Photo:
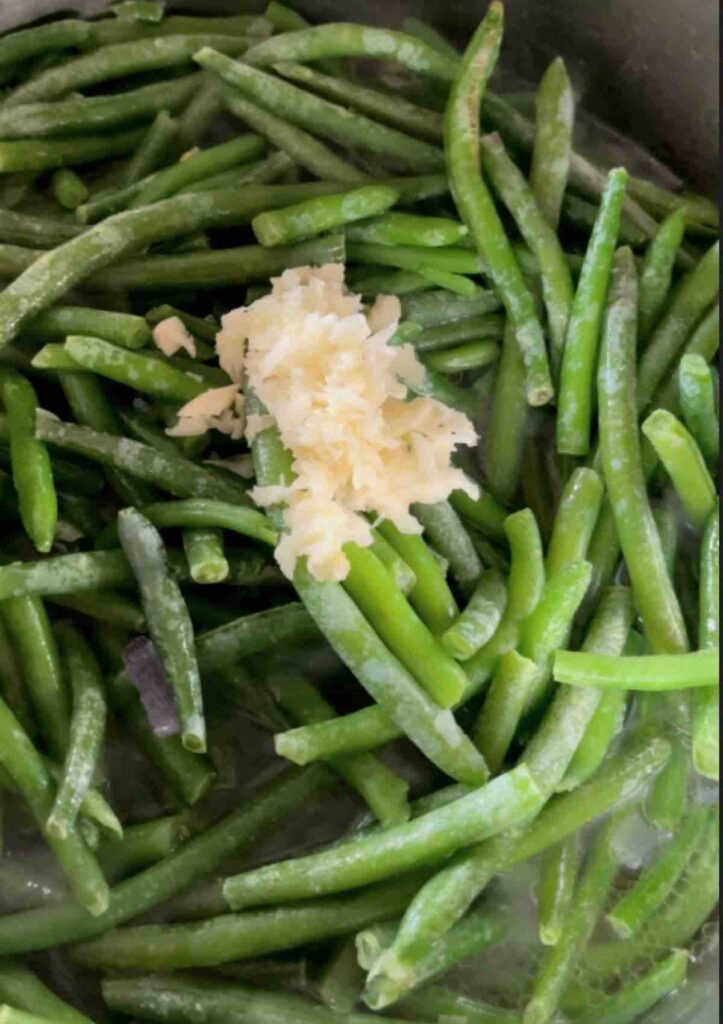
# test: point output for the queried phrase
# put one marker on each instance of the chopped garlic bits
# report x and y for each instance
(171, 335)
(326, 373)
(219, 408)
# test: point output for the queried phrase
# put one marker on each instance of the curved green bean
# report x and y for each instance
(657, 274)
(31, 465)
(555, 114)
(476, 206)
(21, 987)
(557, 288)
(585, 326)
(506, 700)
(449, 538)
(502, 802)
(314, 216)
(87, 728)
(622, 466)
(346, 40)
(683, 459)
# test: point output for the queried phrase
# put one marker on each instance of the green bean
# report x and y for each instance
(502, 802)
(142, 846)
(301, 147)
(206, 559)
(656, 883)
(199, 857)
(480, 619)
(409, 229)
(22, 988)
(199, 165)
(435, 308)
(585, 326)
(631, 1002)
(676, 923)
(283, 18)
(391, 282)
(87, 729)
(556, 889)
(443, 336)
(549, 625)
(559, 961)
(387, 610)
(557, 288)
(471, 356)
(555, 110)
(342, 979)
(95, 113)
(173, 474)
(575, 519)
(657, 273)
(449, 538)
(259, 172)
(447, 896)
(314, 216)
(582, 213)
(116, 61)
(683, 459)
(430, 596)
(616, 612)
(477, 209)
(12, 684)
(359, 731)
(105, 606)
(26, 767)
(41, 39)
(451, 1006)
(706, 739)
(168, 620)
(623, 471)
(477, 931)
(504, 704)
(391, 110)
(651, 673)
(347, 40)
(32, 470)
(661, 202)
(33, 639)
(688, 302)
(385, 793)
(697, 392)
(35, 232)
(321, 117)
(68, 188)
(121, 328)
(44, 154)
(217, 267)
(403, 576)
(507, 427)
(200, 513)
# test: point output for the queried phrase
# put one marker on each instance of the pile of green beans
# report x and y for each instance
(511, 693)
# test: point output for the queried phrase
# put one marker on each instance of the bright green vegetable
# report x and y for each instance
(480, 619)
(558, 877)
(652, 672)
(697, 387)
(575, 519)
(585, 326)
(683, 459)
(657, 273)
(313, 217)
(475, 204)
(555, 110)
(206, 558)
(706, 728)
